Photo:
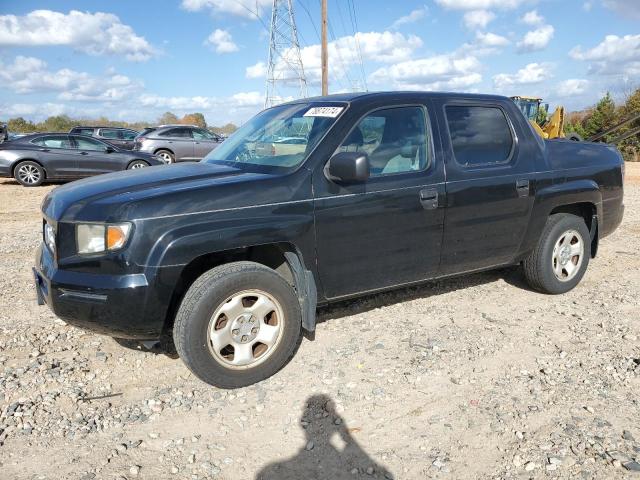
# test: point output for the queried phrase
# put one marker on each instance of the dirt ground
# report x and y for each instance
(471, 378)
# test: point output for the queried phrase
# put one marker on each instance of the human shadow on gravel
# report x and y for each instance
(330, 452)
(511, 275)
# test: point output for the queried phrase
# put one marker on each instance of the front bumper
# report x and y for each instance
(115, 305)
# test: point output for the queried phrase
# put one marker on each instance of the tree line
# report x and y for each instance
(606, 114)
(64, 123)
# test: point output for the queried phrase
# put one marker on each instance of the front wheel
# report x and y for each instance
(29, 174)
(136, 164)
(238, 324)
(560, 259)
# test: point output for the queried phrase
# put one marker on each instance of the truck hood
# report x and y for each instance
(152, 191)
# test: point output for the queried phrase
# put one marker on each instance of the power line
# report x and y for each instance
(354, 23)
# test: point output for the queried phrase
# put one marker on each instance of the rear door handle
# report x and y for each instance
(84, 153)
(429, 198)
(522, 187)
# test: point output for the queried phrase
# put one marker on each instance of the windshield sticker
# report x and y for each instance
(330, 112)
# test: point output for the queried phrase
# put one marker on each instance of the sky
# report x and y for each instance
(134, 60)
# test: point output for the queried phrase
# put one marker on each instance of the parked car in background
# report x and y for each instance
(177, 143)
(233, 254)
(120, 137)
(35, 158)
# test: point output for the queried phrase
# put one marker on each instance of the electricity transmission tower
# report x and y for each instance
(284, 70)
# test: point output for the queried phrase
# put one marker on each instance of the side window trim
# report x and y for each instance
(430, 159)
(514, 136)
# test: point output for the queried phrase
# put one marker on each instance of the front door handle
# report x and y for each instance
(522, 187)
(84, 153)
(429, 198)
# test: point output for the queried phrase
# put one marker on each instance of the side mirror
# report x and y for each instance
(348, 167)
(109, 150)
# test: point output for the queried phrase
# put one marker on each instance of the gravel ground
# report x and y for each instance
(476, 377)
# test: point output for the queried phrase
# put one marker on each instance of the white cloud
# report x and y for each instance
(92, 33)
(613, 56)
(532, 18)
(572, 87)
(454, 71)
(243, 8)
(531, 74)
(626, 8)
(478, 19)
(480, 4)
(221, 41)
(381, 47)
(537, 39)
(413, 16)
(183, 103)
(31, 75)
(259, 70)
(491, 40)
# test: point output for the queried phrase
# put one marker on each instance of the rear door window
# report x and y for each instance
(109, 133)
(82, 131)
(128, 134)
(479, 135)
(176, 133)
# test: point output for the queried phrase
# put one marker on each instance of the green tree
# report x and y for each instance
(630, 147)
(58, 123)
(167, 118)
(541, 117)
(602, 117)
(20, 125)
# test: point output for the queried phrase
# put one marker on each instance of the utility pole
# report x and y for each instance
(324, 53)
(284, 69)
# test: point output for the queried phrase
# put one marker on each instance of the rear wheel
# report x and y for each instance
(560, 259)
(29, 174)
(574, 137)
(165, 156)
(136, 164)
(238, 324)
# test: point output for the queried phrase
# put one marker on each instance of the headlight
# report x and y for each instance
(50, 237)
(98, 238)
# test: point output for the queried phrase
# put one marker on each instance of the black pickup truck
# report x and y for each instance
(315, 201)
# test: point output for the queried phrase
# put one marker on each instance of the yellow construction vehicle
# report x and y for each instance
(553, 126)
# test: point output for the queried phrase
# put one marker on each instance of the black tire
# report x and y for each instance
(539, 265)
(573, 136)
(137, 164)
(209, 292)
(165, 156)
(29, 174)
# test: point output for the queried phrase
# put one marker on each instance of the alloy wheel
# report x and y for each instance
(29, 174)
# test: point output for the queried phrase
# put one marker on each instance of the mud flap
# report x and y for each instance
(593, 233)
(306, 291)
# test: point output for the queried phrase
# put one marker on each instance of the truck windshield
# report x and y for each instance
(278, 138)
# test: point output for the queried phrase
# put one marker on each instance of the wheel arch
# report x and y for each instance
(160, 149)
(34, 160)
(283, 257)
(578, 197)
